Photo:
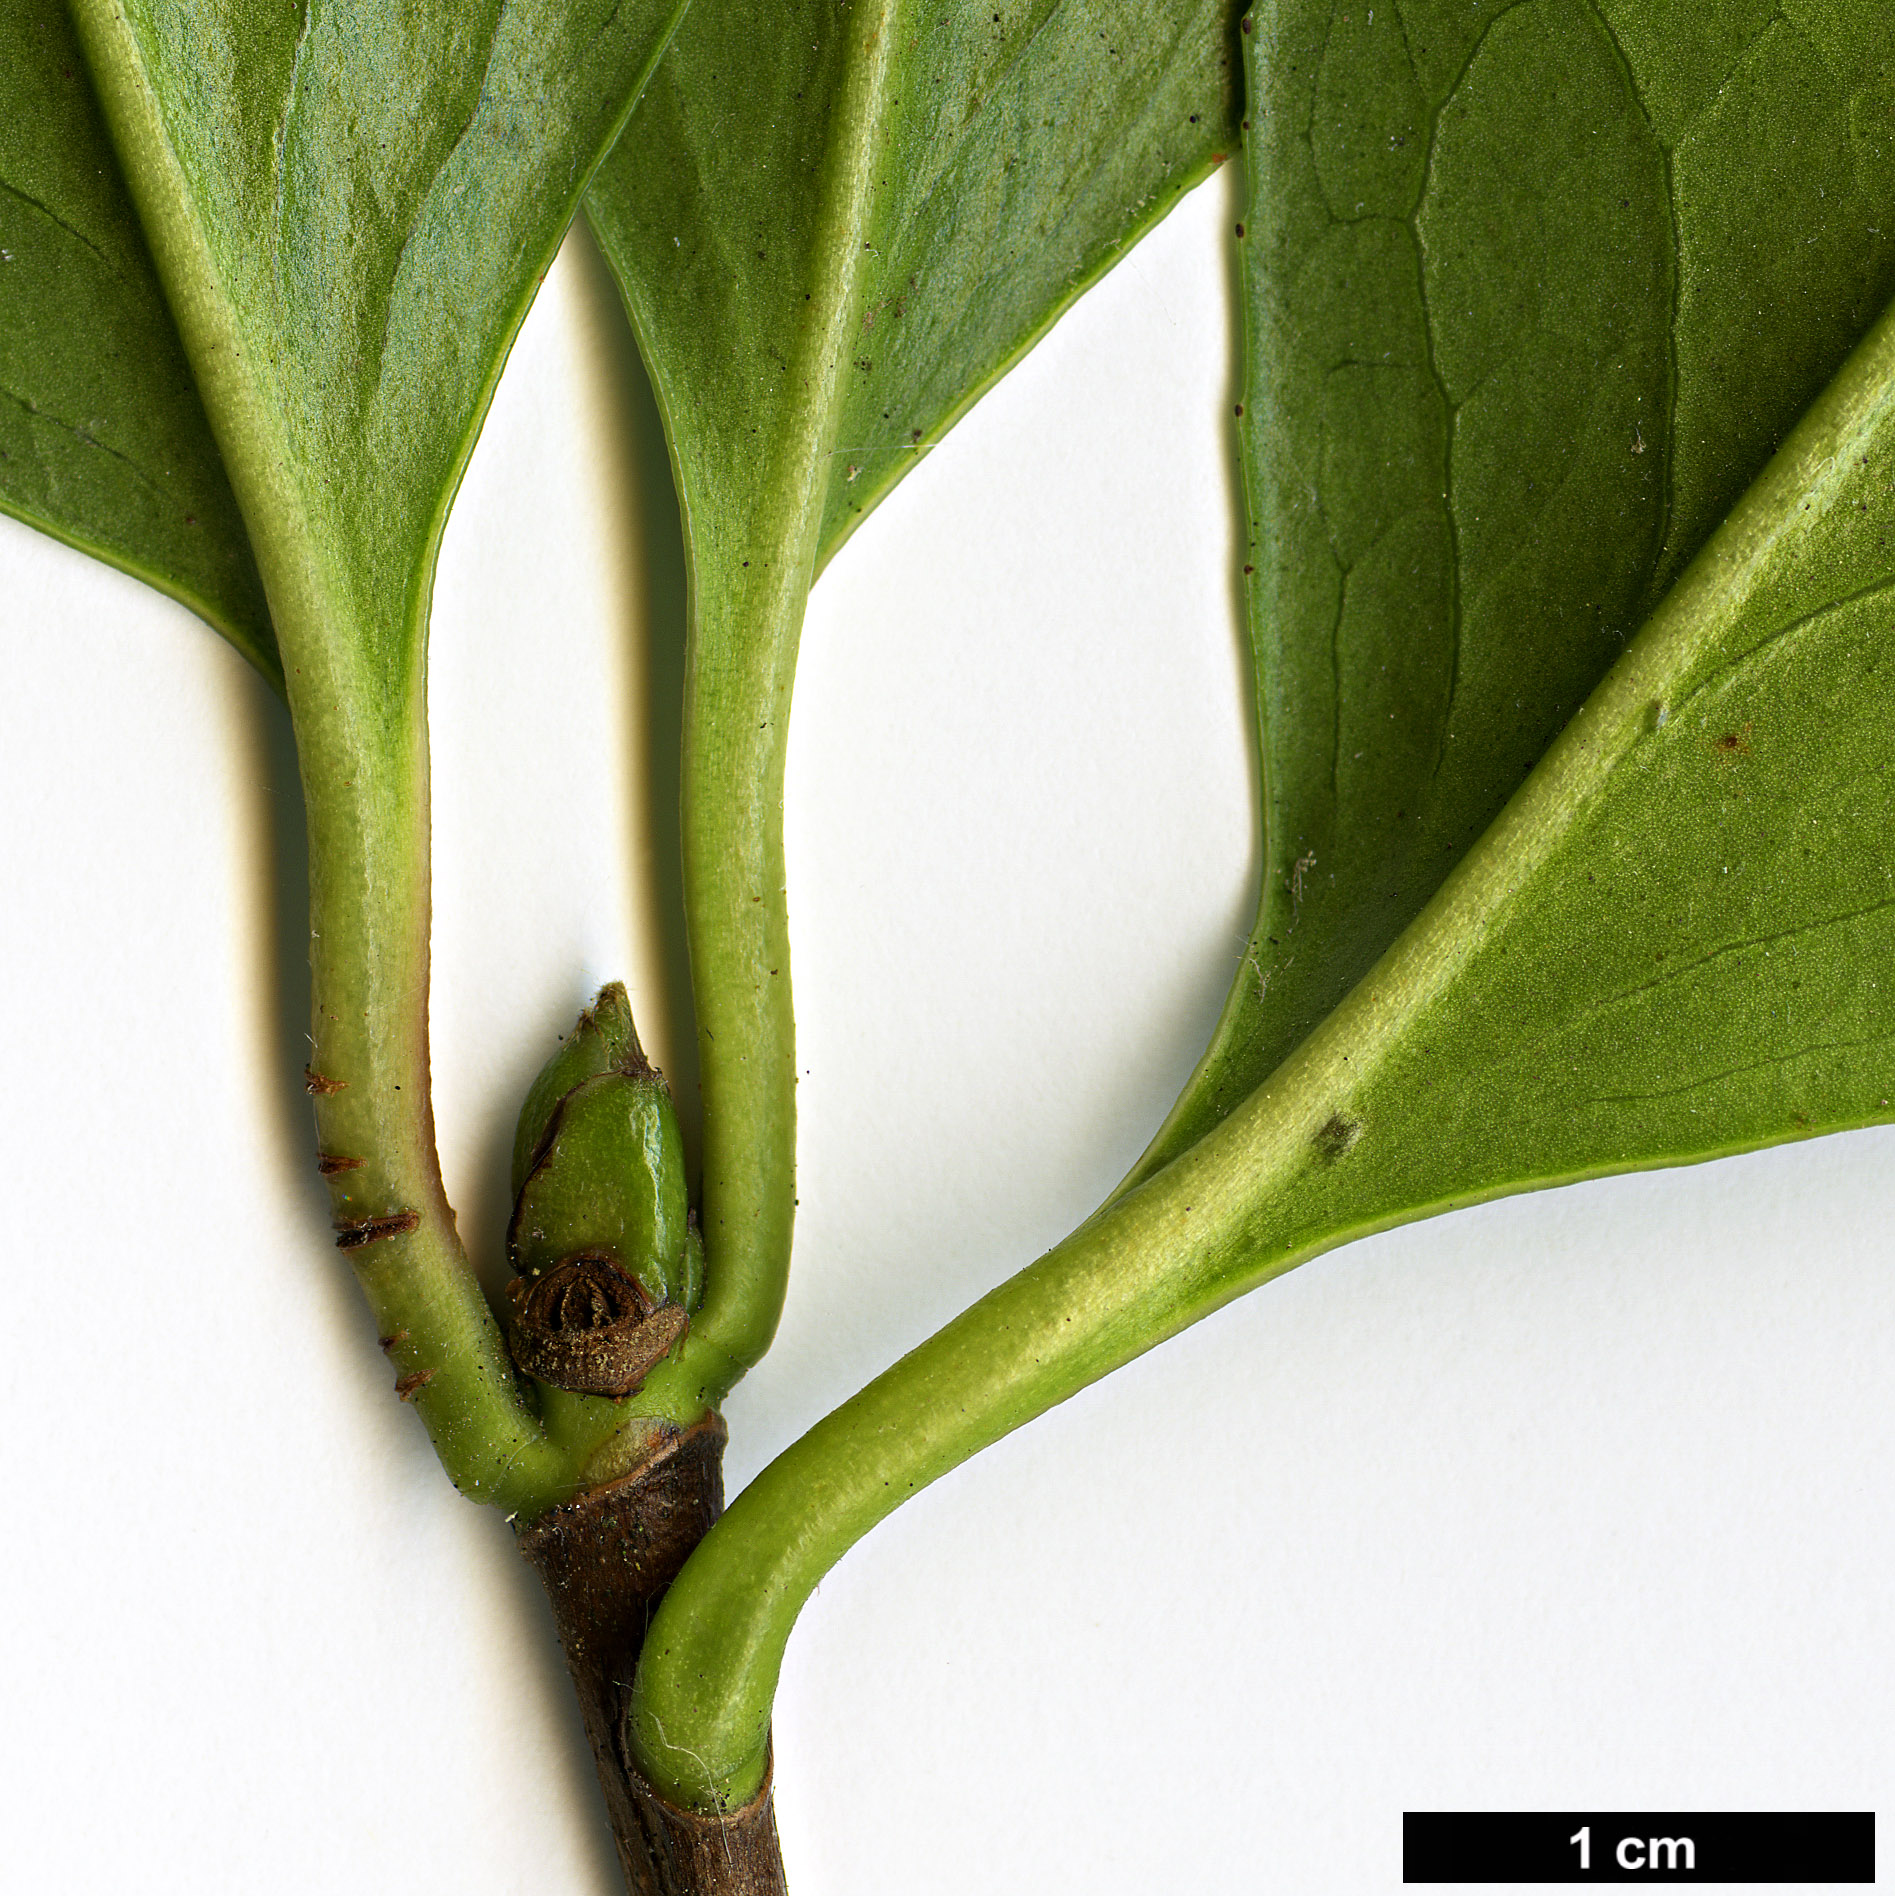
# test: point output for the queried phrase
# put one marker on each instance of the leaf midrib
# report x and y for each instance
(323, 623)
(254, 449)
(849, 168)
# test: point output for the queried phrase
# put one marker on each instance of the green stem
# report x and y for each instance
(1270, 1187)
(603, 1438)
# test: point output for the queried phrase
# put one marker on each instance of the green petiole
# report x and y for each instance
(1393, 1109)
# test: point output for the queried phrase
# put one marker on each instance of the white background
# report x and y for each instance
(1579, 1500)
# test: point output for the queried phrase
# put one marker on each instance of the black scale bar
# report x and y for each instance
(1446, 1846)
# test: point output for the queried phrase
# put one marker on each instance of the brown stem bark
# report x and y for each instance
(605, 1561)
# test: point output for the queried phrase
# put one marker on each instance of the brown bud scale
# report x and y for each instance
(588, 1326)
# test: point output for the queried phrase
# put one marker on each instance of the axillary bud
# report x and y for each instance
(601, 1236)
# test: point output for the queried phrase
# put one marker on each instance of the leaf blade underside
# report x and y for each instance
(350, 208)
(833, 226)
(1079, 128)
(1532, 291)
(1017, 155)
(1672, 942)
(103, 439)
(352, 216)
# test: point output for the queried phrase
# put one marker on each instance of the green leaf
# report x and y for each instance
(350, 208)
(351, 214)
(1026, 152)
(103, 440)
(1674, 940)
(833, 227)
(1516, 347)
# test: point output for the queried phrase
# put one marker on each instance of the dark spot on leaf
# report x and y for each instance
(1336, 1135)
